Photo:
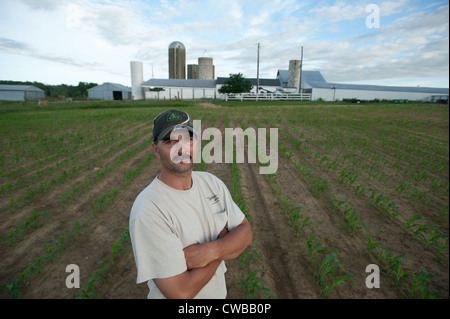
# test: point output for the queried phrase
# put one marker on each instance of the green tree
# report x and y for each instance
(236, 84)
(58, 90)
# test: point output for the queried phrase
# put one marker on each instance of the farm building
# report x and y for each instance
(314, 83)
(21, 93)
(110, 91)
(196, 89)
(179, 89)
(265, 85)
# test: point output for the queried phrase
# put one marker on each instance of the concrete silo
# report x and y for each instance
(177, 60)
(205, 69)
(192, 71)
(294, 74)
(137, 77)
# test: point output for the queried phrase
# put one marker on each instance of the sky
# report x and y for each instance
(399, 43)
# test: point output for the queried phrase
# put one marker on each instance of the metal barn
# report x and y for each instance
(314, 83)
(339, 92)
(110, 91)
(21, 93)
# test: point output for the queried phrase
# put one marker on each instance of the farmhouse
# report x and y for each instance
(21, 93)
(110, 91)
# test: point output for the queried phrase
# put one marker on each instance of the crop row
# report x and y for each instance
(55, 249)
(350, 217)
(349, 175)
(47, 143)
(252, 283)
(416, 167)
(388, 207)
(328, 270)
(46, 185)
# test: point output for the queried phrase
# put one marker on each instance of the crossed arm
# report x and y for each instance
(202, 261)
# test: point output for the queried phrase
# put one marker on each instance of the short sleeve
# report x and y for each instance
(157, 249)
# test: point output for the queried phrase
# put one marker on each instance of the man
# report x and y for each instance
(185, 223)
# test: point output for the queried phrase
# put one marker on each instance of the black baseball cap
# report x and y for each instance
(169, 120)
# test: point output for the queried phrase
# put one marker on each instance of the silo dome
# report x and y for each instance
(177, 45)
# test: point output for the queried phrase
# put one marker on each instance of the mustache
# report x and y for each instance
(179, 158)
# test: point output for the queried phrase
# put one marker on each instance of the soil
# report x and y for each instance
(287, 271)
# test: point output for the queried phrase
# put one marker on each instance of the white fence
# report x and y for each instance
(267, 96)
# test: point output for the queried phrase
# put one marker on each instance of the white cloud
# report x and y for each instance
(104, 35)
(338, 12)
(43, 4)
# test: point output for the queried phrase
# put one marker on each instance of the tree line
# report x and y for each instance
(72, 91)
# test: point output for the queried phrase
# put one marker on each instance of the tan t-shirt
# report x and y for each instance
(164, 220)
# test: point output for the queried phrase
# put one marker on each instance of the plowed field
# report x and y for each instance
(355, 186)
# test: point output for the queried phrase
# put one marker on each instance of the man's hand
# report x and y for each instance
(200, 255)
(202, 261)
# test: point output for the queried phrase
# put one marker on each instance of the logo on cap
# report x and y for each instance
(173, 116)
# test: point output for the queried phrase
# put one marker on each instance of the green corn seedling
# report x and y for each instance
(302, 225)
(409, 224)
(252, 284)
(372, 244)
(314, 247)
(327, 269)
(419, 286)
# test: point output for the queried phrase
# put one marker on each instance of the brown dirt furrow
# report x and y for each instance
(381, 229)
(277, 244)
(94, 244)
(63, 218)
(50, 200)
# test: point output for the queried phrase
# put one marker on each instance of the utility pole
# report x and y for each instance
(257, 73)
(300, 84)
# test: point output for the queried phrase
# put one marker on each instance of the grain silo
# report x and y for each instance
(294, 74)
(137, 77)
(177, 60)
(192, 71)
(205, 69)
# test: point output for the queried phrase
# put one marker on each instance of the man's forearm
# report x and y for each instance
(229, 245)
(235, 242)
(188, 284)
(202, 261)
(197, 278)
